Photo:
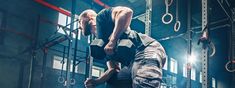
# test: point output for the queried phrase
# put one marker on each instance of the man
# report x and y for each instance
(144, 70)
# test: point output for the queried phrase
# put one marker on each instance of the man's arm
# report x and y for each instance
(122, 18)
(113, 67)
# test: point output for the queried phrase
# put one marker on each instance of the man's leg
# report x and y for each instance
(147, 67)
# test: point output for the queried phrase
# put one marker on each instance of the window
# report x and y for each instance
(184, 70)
(213, 82)
(65, 20)
(170, 81)
(173, 66)
(200, 79)
(166, 63)
(97, 71)
(193, 74)
(58, 65)
(163, 86)
(173, 80)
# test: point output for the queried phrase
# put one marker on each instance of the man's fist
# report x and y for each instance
(90, 83)
(110, 47)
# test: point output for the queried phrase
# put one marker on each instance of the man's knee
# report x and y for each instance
(139, 82)
(147, 75)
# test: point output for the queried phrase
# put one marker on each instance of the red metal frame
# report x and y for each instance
(101, 3)
(54, 7)
(43, 2)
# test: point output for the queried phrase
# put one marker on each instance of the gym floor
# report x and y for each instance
(35, 51)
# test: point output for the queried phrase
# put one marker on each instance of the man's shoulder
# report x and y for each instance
(105, 11)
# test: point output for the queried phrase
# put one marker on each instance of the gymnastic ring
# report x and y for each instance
(163, 18)
(168, 3)
(61, 79)
(73, 81)
(212, 46)
(177, 26)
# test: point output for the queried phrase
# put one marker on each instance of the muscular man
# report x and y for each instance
(144, 70)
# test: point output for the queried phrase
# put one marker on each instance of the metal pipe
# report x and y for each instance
(227, 3)
(212, 28)
(189, 41)
(65, 53)
(74, 57)
(34, 44)
(230, 18)
(45, 52)
(73, 12)
(218, 21)
(101, 3)
(211, 23)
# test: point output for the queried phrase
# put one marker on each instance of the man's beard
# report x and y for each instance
(87, 30)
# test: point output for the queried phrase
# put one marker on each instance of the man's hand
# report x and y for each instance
(109, 48)
(90, 83)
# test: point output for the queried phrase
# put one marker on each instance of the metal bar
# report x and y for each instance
(74, 56)
(171, 37)
(90, 65)
(33, 57)
(211, 23)
(87, 63)
(219, 21)
(73, 12)
(62, 68)
(73, 49)
(227, 3)
(189, 41)
(230, 18)
(136, 17)
(43, 67)
(31, 70)
(66, 53)
(101, 3)
(43, 2)
(204, 46)
(205, 68)
(196, 32)
(52, 43)
(148, 17)
(233, 48)
(211, 29)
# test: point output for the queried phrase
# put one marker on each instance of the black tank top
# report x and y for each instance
(105, 26)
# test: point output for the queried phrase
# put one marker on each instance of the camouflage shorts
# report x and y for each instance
(147, 66)
(144, 72)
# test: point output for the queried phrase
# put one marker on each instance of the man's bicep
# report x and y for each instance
(117, 10)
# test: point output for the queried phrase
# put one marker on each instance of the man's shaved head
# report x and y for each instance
(87, 21)
(88, 13)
